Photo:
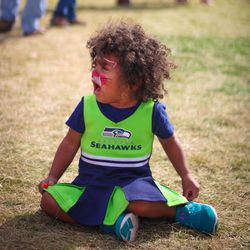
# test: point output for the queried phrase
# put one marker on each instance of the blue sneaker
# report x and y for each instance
(126, 227)
(200, 217)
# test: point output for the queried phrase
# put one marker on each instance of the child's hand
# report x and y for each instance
(46, 182)
(190, 187)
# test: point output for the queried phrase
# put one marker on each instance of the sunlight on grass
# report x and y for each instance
(43, 78)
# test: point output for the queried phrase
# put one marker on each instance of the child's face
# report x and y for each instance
(109, 87)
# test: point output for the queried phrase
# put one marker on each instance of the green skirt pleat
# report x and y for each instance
(173, 198)
(66, 195)
(116, 205)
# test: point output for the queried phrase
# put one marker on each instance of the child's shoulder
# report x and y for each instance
(159, 105)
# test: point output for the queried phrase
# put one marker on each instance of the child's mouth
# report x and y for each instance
(97, 88)
(98, 80)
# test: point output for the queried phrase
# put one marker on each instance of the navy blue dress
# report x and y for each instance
(99, 181)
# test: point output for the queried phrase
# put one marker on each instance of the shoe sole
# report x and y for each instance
(135, 222)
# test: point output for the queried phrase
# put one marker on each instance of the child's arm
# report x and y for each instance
(63, 157)
(176, 155)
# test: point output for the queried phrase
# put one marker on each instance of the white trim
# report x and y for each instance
(111, 164)
(107, 158)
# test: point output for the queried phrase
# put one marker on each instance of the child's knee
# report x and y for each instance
(48, 204)
(139, 208)
(151, 209)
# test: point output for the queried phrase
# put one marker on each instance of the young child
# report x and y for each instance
(114, 128)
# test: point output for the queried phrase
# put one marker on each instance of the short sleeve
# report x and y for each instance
(76, 119)
(162, 127)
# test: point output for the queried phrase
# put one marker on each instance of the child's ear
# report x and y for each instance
(135, 87)
(135, 90)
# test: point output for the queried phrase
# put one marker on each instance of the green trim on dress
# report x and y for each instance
(116, 205)
(66, 195)
(173, 197)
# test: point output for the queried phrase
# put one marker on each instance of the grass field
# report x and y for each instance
(42, 79)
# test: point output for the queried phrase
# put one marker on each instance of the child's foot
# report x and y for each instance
(126, 227)
(198, 216)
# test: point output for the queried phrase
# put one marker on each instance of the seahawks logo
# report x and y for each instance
(116, 132)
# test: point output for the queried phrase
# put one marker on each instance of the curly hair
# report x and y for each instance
(144, 61)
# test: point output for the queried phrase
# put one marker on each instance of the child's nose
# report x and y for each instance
(95, 73)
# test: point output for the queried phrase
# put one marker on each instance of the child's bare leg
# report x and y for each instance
(151, 209)
(50, 207)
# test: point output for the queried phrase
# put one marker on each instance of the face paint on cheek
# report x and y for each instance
(99, 78)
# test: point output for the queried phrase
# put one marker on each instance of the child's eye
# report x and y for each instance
(106, 66)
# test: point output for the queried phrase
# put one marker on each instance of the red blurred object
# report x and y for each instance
(45, 185)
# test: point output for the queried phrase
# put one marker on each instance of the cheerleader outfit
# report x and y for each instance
(116, 146)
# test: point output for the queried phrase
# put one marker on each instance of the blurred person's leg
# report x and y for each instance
(123, 2)
(61, 8)
(71, 15)
(65, 13)
(8, 13)
(32, 13)
(60, 13)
